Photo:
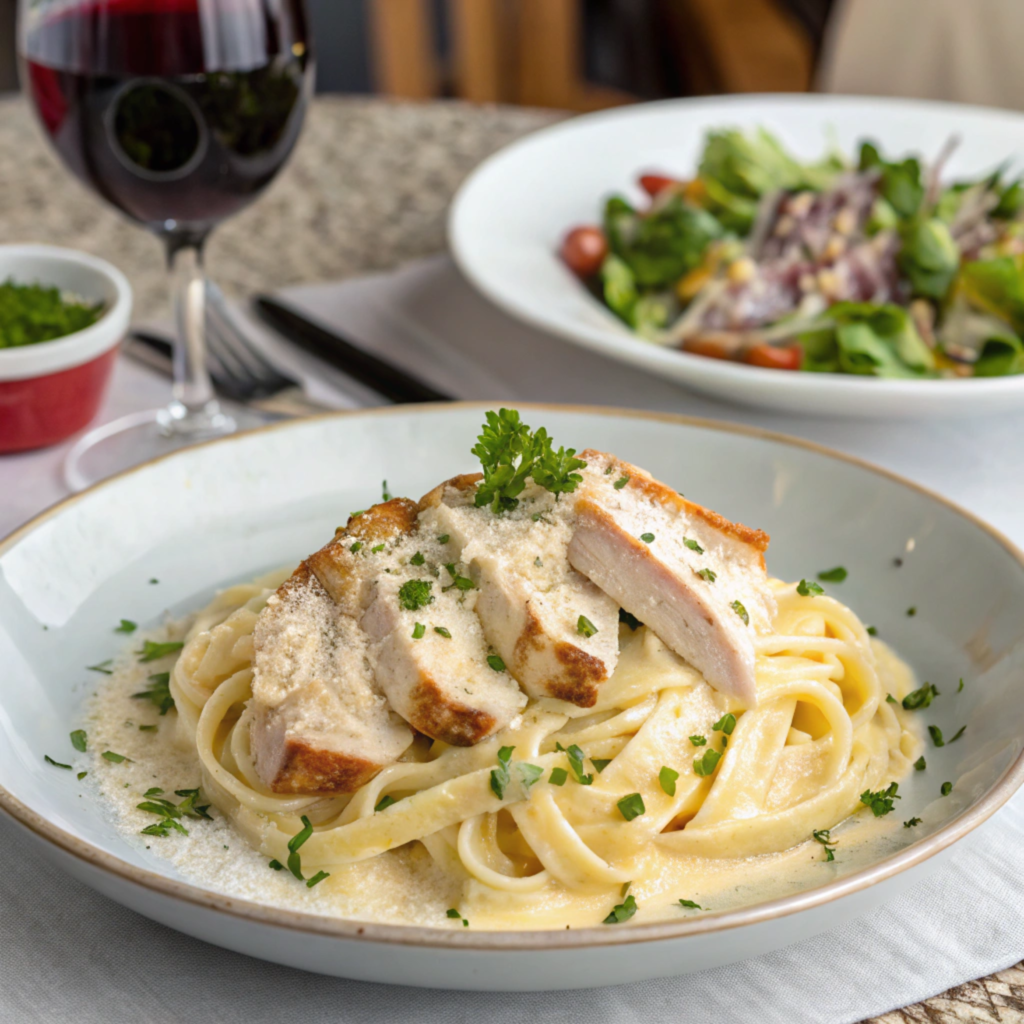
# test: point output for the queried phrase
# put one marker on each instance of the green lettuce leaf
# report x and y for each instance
(996, 286)
(901, 184)
(661, 247)
(929, 257)
(867, 339)
(619, 285)
(1001, 356)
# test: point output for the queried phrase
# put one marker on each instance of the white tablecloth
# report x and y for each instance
(67, 954)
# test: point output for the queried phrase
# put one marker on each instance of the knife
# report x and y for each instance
(384, 377)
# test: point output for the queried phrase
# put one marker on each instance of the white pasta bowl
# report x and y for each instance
(218, 513)
(510, 215)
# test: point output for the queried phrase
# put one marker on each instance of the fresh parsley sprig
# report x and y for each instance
(510, 453)
(881, 802)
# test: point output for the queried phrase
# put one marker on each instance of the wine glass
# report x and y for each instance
(178, 113)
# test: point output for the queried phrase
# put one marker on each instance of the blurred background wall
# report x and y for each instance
(587, 54)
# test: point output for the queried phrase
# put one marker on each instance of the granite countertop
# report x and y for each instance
(368, 188)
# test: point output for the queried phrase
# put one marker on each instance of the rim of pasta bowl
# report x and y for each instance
(966, 821)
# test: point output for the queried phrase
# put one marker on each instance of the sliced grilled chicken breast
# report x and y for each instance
(555, 630)
(692, 576)
(321, 723)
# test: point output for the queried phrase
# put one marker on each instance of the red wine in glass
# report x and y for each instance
(178, 113)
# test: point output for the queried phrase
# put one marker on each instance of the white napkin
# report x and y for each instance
(71, 955)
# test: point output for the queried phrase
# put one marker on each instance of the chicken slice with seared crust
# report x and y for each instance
(555, 630)
(321, 723)
(428, 651)
(696, 579)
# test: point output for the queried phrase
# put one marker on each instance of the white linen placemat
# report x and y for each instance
(67, 954)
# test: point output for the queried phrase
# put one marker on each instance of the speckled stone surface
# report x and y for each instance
(367, 188)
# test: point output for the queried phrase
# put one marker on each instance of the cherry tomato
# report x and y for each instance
(652, 184)
(774, 357)
(584, 250)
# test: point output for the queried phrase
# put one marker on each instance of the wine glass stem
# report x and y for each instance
(194, 408)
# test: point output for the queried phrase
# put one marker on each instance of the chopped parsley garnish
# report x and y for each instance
(920, 698)
(529, 774)
(824, 836)
(459, 582)
(693, 545)
(116, 758)
(385, 802)
(946, 788)
(495, 663)
(443, 631)
(647, 538)
(576, 758)
(805, 589)
(78, 740)
(356, 546)
(622, 911)
(705, 764)
(152, 651)
(836, 575)
(81, 775)
(936, 734)
(707, 574)
(630, 620)
(385, 494)
(377, 549)
(127, 626)
(667, 780)
(558, 776)
(958, 734)
(356, 515)
(698, 741)
(690, 905)
(600, 763)
(890, 699)
(317, 879)
(919, 764)
(609, 470)
(631, 806)
(56, 764)
(961, 686)
(296, 841)
(510, 453)
(153, 580)
(171, 813)
(102, 667)
(620, 483)
(443, 539)
(738, 608)
(418, 630)
(911, 611)
(725, 724)
(912, 823)
(882, 801)
(158, 692)
(276, 865)
(585, 627)
(872, 631)
(500, 776)
(417, 559)
(148, 728)
(31, 313)
(456, 916)
(415, 594)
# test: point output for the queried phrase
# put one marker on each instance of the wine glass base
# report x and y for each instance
(140, 437)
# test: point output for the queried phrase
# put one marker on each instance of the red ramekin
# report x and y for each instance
(52, 389)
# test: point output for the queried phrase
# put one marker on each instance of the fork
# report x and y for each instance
(241, 372)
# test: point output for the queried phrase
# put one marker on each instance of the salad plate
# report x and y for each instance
(160, 540)
(923, 350)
